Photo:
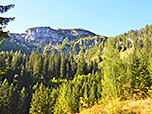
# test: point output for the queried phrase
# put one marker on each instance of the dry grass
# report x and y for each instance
(116, 106)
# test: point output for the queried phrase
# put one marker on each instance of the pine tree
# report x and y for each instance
(40, 103)
(2, 60)
(61, 106)
(22, 104)
(37, 67)
(81, 67)
(73, 66)
(8, 98)
(67, 70)
(8, 61)
(57, 65)
(45, 69)
(93, 94)
(113, 70)
(51, 66)
(13, 95)
(30, 62)
(4, 97)
(62, 68)
(95, 67)
(73, 100)
(4, 21)
(140, 75)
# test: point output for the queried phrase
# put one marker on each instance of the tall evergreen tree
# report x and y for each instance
(37, 67)
(140, 75)
(51, 66)
(81, 67)
(40, 103)
(73, 100)
(73, 66)
(57, 65)
(22, 104)
(45, 69)
(61, 106)
(8, 98)
(113, 70)
(4, 98)
(3, 22)
(62, 68)
(93, 94)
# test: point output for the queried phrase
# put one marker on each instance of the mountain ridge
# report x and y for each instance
(63, 40)
(39, 37)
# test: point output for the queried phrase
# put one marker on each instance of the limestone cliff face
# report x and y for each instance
(42, 33)
(41, 37)
(46, 34)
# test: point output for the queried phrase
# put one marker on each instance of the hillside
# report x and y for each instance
(116, 106)
(80, 75)
(43, 38)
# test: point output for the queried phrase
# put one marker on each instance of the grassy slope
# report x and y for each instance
(121, 107)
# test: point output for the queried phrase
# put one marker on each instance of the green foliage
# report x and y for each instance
(4, 21)
(8, 98)
(61, 104)
(113, 67)
(41, 100)
(113, 70)
(22, 105)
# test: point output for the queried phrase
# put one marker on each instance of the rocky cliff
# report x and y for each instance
(48, 35)
(40, 37)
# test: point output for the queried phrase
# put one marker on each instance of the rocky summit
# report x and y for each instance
(40, 37)
(50, 36)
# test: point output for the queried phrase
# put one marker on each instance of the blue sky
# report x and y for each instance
(103, 17)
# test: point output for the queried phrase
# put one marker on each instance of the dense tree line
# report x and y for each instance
(26, 72)
(63, 83)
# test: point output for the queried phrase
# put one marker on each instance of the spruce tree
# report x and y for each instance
(3, 22)
(140, 75)
(62, 68)
(61, 106)
(4, 98)
(113, 69)
(22, 104)
(57, 65)
(93, 94)
(8, 98)
(67, 70)
(73, 100)
(45, 69)
(73, 66)
(81, 67)
(37, 67)
(51, 66)
(40, 103)
(13, 95)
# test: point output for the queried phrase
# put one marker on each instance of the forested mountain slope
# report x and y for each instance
(92, 70)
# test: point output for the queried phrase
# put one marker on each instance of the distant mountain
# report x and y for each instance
(77, 41)
(40, 37)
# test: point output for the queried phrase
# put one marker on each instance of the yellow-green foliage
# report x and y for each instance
(115, 106)
(58, 80)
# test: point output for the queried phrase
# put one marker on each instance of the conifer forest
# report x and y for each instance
(88, 76)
